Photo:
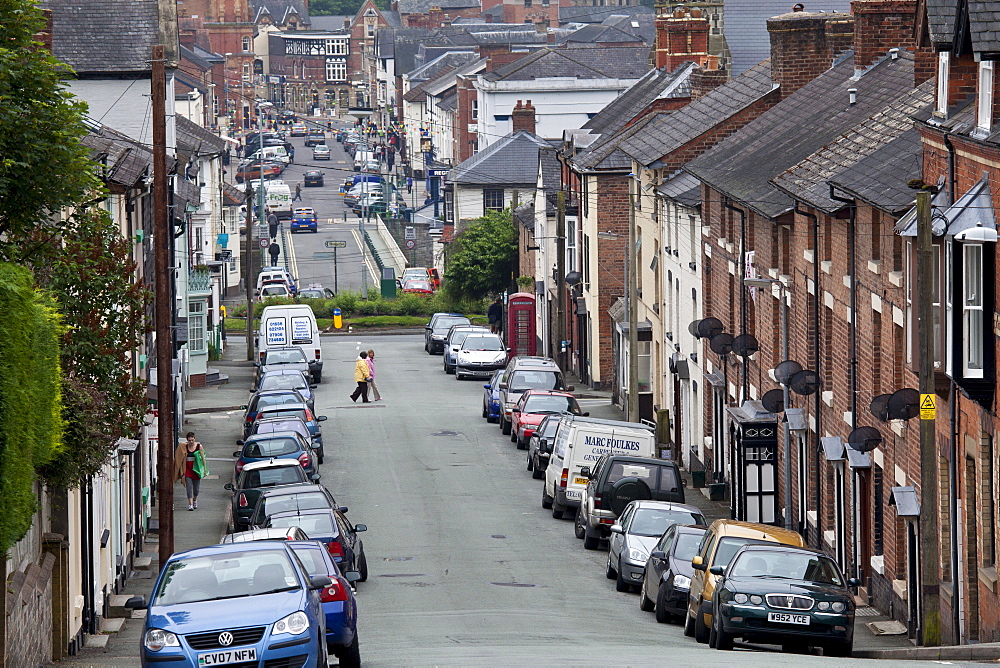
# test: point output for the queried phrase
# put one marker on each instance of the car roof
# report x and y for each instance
(765, 532)
(609, 423)
(783, 547)
(276, 392)
(667, 505)
(271, 464)
(313, 171)
(283, 372)
(641, 460)
(226, 548)
(284, 407)
(296, 488)
(270, 533)
(304, 511)
(548, 393)
(274, 435)
(691, 529)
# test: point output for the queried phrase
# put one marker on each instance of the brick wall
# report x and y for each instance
(800, 49)
(612, 206)
(466, 142)
(681, 37)
(523, 117)
(29, 614)
(880, 25)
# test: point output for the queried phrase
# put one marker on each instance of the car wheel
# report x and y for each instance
(318, 377)
(621, 584)
(844, 649)
(522, 444)
(530, 465)
(557, 511)
(609, 571)
(536, 472)
(688, 625)
(591, 542)
(504, 426)
(719, 638)
(662, 616)
(363, 567)
(349, 656)
(546, 500)
(321, 457)
(513, 434)
(579, 530)
(644, 603)
(700, 630)
(485, 413)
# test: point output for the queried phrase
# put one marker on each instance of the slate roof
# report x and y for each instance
(196, 140)
(551, 170)
(195, 58)
(580, 14)
(231, 195)
(880, 178)
(742, 165)
(280, 10)
(329, 23)
(606, 153)
(92, 39)
(511, 160)
(621, 62)
(687, 123)
(654, 85)
(592, 35)
(682, 188)
(808, 180)
(643, 25)
(448, 102)
(423, 6)
(745, 27)
(126, 160)
(941, 20)
(433, 69)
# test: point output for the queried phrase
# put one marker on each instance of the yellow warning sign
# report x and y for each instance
(928, 407)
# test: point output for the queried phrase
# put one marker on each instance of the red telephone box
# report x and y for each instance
(521, 324)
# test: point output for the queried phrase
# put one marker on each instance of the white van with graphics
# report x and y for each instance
(291, 325)
(279, 198)
(580, 441)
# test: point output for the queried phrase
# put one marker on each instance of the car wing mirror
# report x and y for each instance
(616, 528)
(360, 527)
(571, 388)
(853, 582)
(503, 386)
(717, 570)
(237, 453)
(342, 509)
(229, 486)
(315, 477)
(244, 407)
(240, 441)
(312, 387)
(321, 418)
(352, 576)
(585, 414)
(320, 581)
(243, 521)
(697, 563)
(486, 386)
(136, 603)
(657, 554)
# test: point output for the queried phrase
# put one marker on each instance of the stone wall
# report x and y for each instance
(29, 614)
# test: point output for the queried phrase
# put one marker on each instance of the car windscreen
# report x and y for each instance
(284, 475)
(482, 343)
(686, 546)
(787, 566)
(284, 503)
(313, 525)
(273, 412)
(535, 380)
(551, 404)
(273, 291)
(657, 477)
(271, 447)
(548, 429)
(284, 382)
(295, 356)
(229, 575)
(311, 294)
(312, 558)
(266, 400)
(442, 325)
(654, 521)
(727, 548)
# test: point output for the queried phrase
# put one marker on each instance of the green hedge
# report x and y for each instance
(352, 305)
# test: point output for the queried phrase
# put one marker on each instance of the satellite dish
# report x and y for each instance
(774, 401)
(746, 345)
(721, 343)
(693, 329)
(709, 327)
(785, 370)
(879, 407)
(903, 404)
(804, 382)
(865, 439)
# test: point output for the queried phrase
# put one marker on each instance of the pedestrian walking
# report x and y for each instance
(372, 387)
(298, 192)
(409, 184)
(190, 465)
(272, 223)
(361, 377)
(291, 152)
(495, 315)
(274, 250)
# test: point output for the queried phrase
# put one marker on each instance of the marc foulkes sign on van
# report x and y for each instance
(600, 442)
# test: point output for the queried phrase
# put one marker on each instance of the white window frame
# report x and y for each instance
(984, 94)
(944, 64)
(247, 44)
(572, 224)
(487, 206)
(196, 326)
(973, 315)
(336, 70)
(475, 109)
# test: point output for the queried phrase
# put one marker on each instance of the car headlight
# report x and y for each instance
(838, 606)
(635, 554)
(740, 598)
(157, 639)
(823, 605)
(295, 624)
(500, 358)
(756, 600)
(682, 582)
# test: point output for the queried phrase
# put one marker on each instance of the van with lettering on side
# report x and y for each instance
(581, 441)
(291, 325)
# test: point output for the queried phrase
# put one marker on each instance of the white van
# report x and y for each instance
(279, 199)
(272, 153)
(580, 441)
(361, 157)
(291, 325)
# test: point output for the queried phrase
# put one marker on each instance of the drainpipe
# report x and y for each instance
(818, 396)
(951, 167)
(745, 391)
(956, 608)
(853, 353)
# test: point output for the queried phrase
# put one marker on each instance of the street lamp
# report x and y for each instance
(782, 292)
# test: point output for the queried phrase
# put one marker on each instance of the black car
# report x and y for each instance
(315, 137)
(288, 499)
(258, 476)
(436, 330)
(331, 527)
(783, 595)
(313, 177)
(266, 399)
(668, 572)
(540, 445)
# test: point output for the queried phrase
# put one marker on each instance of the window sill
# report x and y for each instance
(988, 576)
(896, 278)
(826, 266)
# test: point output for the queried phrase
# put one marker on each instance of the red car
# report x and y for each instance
(272, 170)
(416, 287)
(535, 405)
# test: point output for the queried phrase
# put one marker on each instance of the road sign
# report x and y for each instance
(264, 242)
(928, 407)
(260, 231)
(411, 244)
(409, 233)
(224, 256)
(330, 243)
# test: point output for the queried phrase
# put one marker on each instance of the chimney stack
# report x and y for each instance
(681, 37)
(803, 46)
(523, 118)
(707, 78)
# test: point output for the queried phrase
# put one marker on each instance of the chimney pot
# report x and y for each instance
(894, 53)
(695, 13)
(679, 13)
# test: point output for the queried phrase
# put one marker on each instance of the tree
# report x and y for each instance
(482, 258)
(340, 7)
(43, 165)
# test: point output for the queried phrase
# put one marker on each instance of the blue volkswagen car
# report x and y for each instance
(241, 603)
(304, 222)
(491, 397)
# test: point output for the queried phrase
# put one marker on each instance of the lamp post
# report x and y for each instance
(782, 295)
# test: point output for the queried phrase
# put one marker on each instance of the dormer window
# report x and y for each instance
(984, 94)
(944, 62)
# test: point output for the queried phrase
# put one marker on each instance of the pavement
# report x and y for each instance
(467, 569)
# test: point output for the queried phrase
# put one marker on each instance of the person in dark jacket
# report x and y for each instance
(495, 315)
(274, 250)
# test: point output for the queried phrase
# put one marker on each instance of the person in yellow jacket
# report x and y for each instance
(361, 377)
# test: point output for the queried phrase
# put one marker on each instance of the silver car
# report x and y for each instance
(641, 524)
(321, 152)
(479, 355)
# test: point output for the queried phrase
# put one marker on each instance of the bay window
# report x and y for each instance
(973, 324)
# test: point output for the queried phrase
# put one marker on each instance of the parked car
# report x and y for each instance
(287, 379)
(616, 480)
(667, 577)
(637, 531)
(540, 446)
(372, 166)
(298, 130)
(453, 343)
(321, 152)
(303, 222)
(286, 117)
(313, 177)
(251, 171)
(302, 412)
(289, 358)
(533, 406)
(276, 274)
(316, 136)
(290, 498)
(418, 273)
(527, 373)
(416, 287)
(331, 527)
(264, 398)
(783, 595)
(280, 533)
(284, 326)
(275, 290)
(480, 355)
(718, 545)
(338, 602)
(316, 292)
(260, 475)
(436, 330)
(491, 397)
(271, 425)
(276, 445)
(235, 604)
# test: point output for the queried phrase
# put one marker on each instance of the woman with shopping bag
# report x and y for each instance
(190, 466)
